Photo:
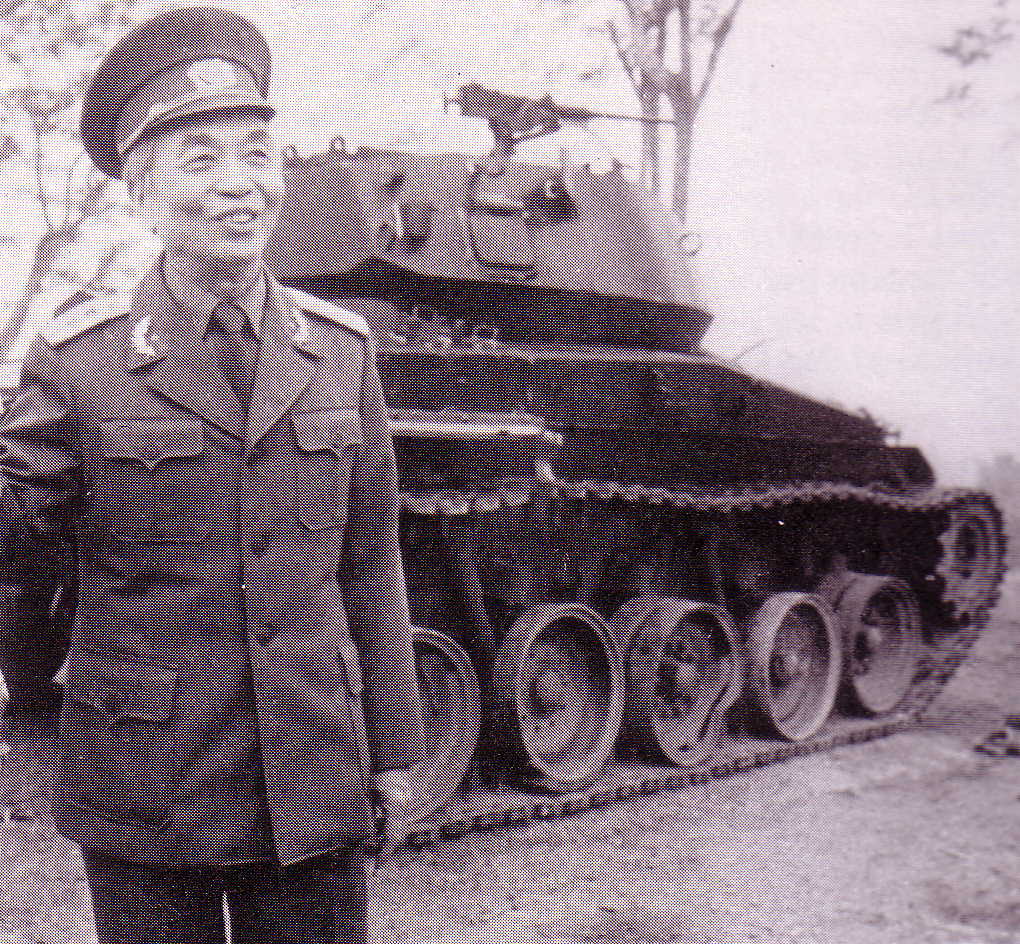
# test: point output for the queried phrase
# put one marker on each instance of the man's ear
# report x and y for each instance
(138, 208)
(137, 166)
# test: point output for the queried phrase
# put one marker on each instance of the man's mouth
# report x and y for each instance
(237, 217)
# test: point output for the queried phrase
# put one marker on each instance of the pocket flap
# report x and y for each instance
(327, 430)
(123, 687)
(150, 440)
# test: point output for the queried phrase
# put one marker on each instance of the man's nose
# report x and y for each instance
(232, 178)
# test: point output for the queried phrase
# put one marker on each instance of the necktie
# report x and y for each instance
(238, 350)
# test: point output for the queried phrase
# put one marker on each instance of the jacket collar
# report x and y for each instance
(200, 301)
(289, 352)
(167, 342)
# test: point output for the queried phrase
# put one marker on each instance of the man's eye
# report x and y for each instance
(199, 160)
(259, 157)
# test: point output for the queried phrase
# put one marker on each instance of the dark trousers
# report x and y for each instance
(318, 901)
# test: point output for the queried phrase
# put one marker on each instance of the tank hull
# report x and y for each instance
(652, 417)
(642, 475)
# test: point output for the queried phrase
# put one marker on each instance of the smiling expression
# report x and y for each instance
(213, 187)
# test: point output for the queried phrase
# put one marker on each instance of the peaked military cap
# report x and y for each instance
(186, 61)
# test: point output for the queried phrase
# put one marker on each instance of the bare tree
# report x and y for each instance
(49, 49)
(670, 51)
(978, 42)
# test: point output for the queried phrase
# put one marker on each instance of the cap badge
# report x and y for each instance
(213, 75)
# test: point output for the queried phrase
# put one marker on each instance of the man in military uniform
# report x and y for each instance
(241, 688)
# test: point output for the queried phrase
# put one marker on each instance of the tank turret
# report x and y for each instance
(500, 285)
(535, 253)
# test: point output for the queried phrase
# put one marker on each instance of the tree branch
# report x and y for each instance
(90, 202)
(68, 185)
(621, 54)
(684, 10)
(40, 185)
(662, 34)
(718, 41)
(633, 10)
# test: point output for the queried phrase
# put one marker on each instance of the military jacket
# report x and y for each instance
(241, 649)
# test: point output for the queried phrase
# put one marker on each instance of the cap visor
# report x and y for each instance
(200, 105)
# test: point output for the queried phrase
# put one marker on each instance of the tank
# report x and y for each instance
(647, 557)
(631, 564)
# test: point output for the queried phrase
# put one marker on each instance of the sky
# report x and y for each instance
(865, 233)
(860, 237)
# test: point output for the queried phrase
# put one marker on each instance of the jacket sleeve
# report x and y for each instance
(40, 473)
(375, 594)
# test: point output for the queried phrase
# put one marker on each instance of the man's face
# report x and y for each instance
(213, 187)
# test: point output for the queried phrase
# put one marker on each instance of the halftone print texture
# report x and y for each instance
(415, 573)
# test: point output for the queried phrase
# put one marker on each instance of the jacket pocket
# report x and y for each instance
(326, 441)
(152, 441)
(123, 688)
(154, 483)
(120, 745)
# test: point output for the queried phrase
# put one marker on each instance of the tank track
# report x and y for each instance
(481, 811)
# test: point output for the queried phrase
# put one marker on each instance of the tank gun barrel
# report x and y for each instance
(516, 118)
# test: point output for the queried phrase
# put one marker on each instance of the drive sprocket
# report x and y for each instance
(973, 560)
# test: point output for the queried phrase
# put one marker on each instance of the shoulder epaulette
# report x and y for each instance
(81, 312)
(317, 307)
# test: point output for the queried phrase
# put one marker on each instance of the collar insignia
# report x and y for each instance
(143, 340)
(299, 329)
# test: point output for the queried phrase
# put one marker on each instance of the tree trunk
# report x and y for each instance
(47, 250)
(651, 150)
(684, 114)
(681, 169)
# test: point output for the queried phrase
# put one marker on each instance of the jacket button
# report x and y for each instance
(263, 637)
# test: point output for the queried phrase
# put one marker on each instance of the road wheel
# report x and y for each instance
(794, 644)
(881, 622)
(450, 697)
(683, 673)
(558, 687)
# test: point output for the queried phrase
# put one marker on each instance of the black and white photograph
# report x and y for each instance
(529, 473)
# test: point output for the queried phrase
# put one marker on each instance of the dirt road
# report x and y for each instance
(912, 840)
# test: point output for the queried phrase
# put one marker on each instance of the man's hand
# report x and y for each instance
(393, 796)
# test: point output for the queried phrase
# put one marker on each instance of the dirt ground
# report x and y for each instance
(911, 840)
